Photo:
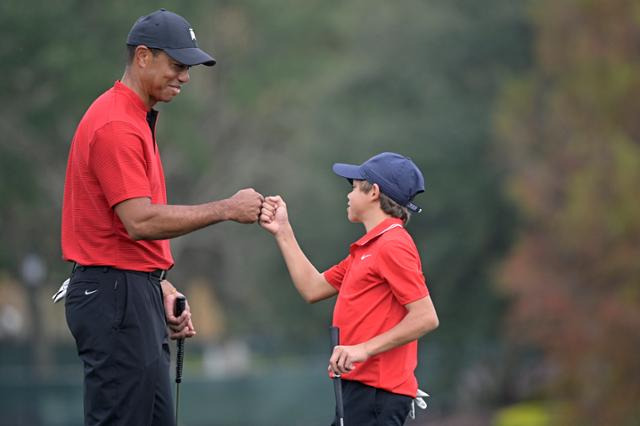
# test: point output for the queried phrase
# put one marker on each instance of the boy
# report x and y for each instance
(383, 304)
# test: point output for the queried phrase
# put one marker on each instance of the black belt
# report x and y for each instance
(158, 274)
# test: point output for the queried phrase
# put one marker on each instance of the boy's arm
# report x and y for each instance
(421, 318)
(310, 283)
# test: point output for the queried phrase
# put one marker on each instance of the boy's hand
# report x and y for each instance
(343, 358)
(273, 216)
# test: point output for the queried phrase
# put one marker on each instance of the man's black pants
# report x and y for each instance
(368, 406)
(117, 319)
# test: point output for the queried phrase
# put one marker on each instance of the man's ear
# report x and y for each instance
(142, 56)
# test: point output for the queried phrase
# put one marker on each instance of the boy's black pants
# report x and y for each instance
(117, 319)
(368, 406)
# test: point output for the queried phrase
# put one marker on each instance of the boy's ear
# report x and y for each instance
(375, 192)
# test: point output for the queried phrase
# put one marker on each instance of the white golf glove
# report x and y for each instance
(62, 291)
(419, 400)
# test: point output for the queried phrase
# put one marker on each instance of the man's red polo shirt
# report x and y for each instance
(382, 273)
(113, 157)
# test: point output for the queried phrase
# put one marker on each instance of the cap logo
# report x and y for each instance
(193, 35)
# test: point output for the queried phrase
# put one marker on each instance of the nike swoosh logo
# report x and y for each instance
(364, 256)
(87, 292)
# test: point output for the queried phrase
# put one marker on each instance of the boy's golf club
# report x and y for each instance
(178, 308)
(337, 382)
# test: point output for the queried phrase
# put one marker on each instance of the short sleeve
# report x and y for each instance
(399, 264)
(335, 274)
(117, 159)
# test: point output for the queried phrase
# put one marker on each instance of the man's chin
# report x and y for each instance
(167, 95)
(167, 98)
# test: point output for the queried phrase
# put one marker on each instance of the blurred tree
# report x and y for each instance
(357, 78)
(56, 63)
(298, 86)
(571, 135)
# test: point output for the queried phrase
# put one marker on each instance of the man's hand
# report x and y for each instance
(343, 358)
(273, 216)
(180, 327)
(245, 205)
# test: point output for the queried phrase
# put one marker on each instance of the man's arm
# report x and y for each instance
(146, 221)
(421, 318)
(181, 326)
(310, 283)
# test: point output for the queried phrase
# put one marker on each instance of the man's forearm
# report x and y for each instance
(167, 288)
(170, 221)
(146, 221)
(162, 221)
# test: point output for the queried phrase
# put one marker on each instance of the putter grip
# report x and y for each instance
(180, 304)
(178, 309)
(334, 333)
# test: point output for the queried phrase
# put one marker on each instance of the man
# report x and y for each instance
(115, 228)
(383, 305)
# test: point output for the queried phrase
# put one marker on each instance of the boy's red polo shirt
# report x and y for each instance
(382, 273)
(113, 158)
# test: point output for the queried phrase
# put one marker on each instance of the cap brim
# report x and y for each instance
(348, 171)
(191, 56)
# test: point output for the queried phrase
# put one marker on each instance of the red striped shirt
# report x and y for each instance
(113, 157)
(382, 273)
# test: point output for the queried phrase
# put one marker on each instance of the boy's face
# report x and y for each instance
(359, 203)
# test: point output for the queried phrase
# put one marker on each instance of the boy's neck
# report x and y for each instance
(374, 218)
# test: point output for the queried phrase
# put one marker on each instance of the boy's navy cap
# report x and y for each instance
(396, 175)
(171, 33)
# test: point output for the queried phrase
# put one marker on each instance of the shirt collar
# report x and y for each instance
(133, 96)
(379, 229)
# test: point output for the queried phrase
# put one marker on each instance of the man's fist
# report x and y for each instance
(245, 205)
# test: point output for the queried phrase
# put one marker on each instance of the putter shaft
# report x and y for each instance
(177, 401)
(337, 381)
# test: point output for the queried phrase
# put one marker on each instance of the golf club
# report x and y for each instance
(178, 308)
(337, 382)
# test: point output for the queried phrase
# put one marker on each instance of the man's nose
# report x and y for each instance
(184, 76)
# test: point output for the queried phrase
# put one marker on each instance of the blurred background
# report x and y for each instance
(523, 116)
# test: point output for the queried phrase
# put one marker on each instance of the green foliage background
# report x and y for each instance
(515, 111)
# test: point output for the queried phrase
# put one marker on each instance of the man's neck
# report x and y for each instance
(130, 80)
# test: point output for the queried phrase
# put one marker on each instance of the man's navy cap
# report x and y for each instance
(171, 33)
(396, 175)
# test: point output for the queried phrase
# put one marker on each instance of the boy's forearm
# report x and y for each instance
(304, 275)
(414, 325)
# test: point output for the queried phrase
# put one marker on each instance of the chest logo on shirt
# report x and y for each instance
(364, 256)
